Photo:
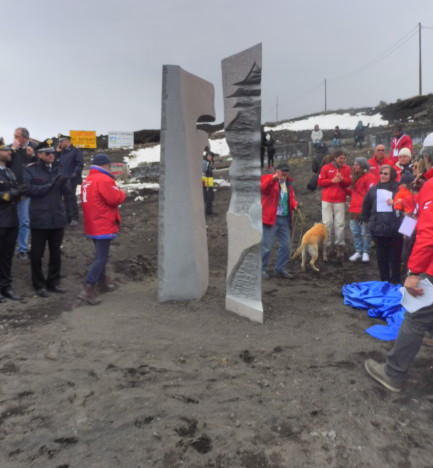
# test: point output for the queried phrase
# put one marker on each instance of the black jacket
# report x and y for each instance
(47, 208)
(20, 161)
(71, 159)
(381, 224)
(8, 199)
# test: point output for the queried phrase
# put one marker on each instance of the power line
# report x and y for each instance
(380, 57)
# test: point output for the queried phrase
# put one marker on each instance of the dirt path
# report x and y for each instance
(136, 383)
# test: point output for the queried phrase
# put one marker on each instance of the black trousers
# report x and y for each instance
(208, 195)
(8, 238)
(40, 238)
(388, 254)
(71, 204)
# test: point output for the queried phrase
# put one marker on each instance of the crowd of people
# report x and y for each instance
(384, 192)
(38, 200)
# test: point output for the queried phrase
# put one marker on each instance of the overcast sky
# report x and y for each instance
(97, 64)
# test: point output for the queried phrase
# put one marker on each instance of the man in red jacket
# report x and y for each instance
(411, 333)
(377, 161)
(334, 178)
(100, 198)
(278, 202)
(400, 140)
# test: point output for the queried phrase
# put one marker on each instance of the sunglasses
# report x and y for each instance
(385, 173)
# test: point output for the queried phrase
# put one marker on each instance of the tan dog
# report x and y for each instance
(311, 241)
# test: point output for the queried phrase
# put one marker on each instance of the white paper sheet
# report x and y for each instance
(407, 226)
(411, 303)
(381, 203)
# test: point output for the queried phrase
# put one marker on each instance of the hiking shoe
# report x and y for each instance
(88, 294)
(339, 251)
(356, 256)
(365, 257)
(23, 256)
(377, 371)
(285, 274)
(265, 275)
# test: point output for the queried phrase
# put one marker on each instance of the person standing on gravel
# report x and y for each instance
(278, 202)
(71, 159)
(100, 199)
(334, 178)
(392, 373)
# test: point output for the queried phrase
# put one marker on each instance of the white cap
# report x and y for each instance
(428, 140)
(405, 152)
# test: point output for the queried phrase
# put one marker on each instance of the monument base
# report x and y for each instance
(249, 308)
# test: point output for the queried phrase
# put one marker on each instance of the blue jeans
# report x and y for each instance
(96, 272)
(281, 230)
(23, 208)
(361, 236)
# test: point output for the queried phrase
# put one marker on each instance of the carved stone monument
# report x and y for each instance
(183, 269)
(242, 114)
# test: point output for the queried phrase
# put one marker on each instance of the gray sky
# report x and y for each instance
(96, 64)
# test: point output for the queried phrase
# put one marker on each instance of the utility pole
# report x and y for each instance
(325, 97)
(420, 64)
(277, 110)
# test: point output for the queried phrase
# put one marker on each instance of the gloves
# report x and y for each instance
(60, 180)
(23, 188)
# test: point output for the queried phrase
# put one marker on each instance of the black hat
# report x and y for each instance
(4, 147)
(407, 178)
(63, 137)
(283, 167)
(46, 146)
(101, 159)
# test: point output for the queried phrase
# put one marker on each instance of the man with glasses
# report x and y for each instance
(23, 154)
(278, 202)
(377, 161)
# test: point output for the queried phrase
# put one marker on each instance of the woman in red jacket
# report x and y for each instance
(334, 178)
(362, 180)
(100, 198)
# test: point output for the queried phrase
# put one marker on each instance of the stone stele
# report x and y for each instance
(242, 114)
(183, 264)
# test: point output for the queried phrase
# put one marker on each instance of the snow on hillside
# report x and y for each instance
(330, 121)
(220, 147)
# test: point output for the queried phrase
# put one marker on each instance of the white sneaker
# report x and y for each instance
(356, 256)
(365, 257)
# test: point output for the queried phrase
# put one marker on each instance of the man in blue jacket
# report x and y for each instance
(71, 159)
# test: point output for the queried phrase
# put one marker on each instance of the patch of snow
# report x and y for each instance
(330, 121)
(143, 155)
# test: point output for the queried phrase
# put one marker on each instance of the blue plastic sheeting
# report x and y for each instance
(381, 300)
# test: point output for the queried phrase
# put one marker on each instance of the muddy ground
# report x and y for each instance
(136, 383)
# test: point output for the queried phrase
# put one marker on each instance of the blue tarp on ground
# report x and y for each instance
(382, 300)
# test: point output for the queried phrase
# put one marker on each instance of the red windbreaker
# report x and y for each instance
(375, 166)
(270, 189)
(405, 141)
(334, 193)
(421, 259)
(100, 198)
(358, 192)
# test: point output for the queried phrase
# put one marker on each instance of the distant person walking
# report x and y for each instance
(359, 134)
(100, 198)
(207, 181)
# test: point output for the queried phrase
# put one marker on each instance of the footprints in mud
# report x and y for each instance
(187, 430)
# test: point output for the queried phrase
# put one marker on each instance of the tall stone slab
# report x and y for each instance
(242, 115)
(183, 269)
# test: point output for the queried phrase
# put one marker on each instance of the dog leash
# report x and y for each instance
(298, 225)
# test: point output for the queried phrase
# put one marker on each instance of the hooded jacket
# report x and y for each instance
(270, 189)
(100, 198)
